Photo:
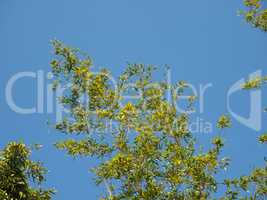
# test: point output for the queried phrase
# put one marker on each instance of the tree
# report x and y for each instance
(149, 153)
(256, 14)
(17, 171)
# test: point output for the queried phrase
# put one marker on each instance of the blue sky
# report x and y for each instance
(202, 41)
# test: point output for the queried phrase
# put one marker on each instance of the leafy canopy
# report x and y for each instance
(17, 171)
(149, 152)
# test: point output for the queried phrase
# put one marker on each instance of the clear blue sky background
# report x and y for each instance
(203, 42)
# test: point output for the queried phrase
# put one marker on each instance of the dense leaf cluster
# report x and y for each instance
(18, 173)
(256, 14)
